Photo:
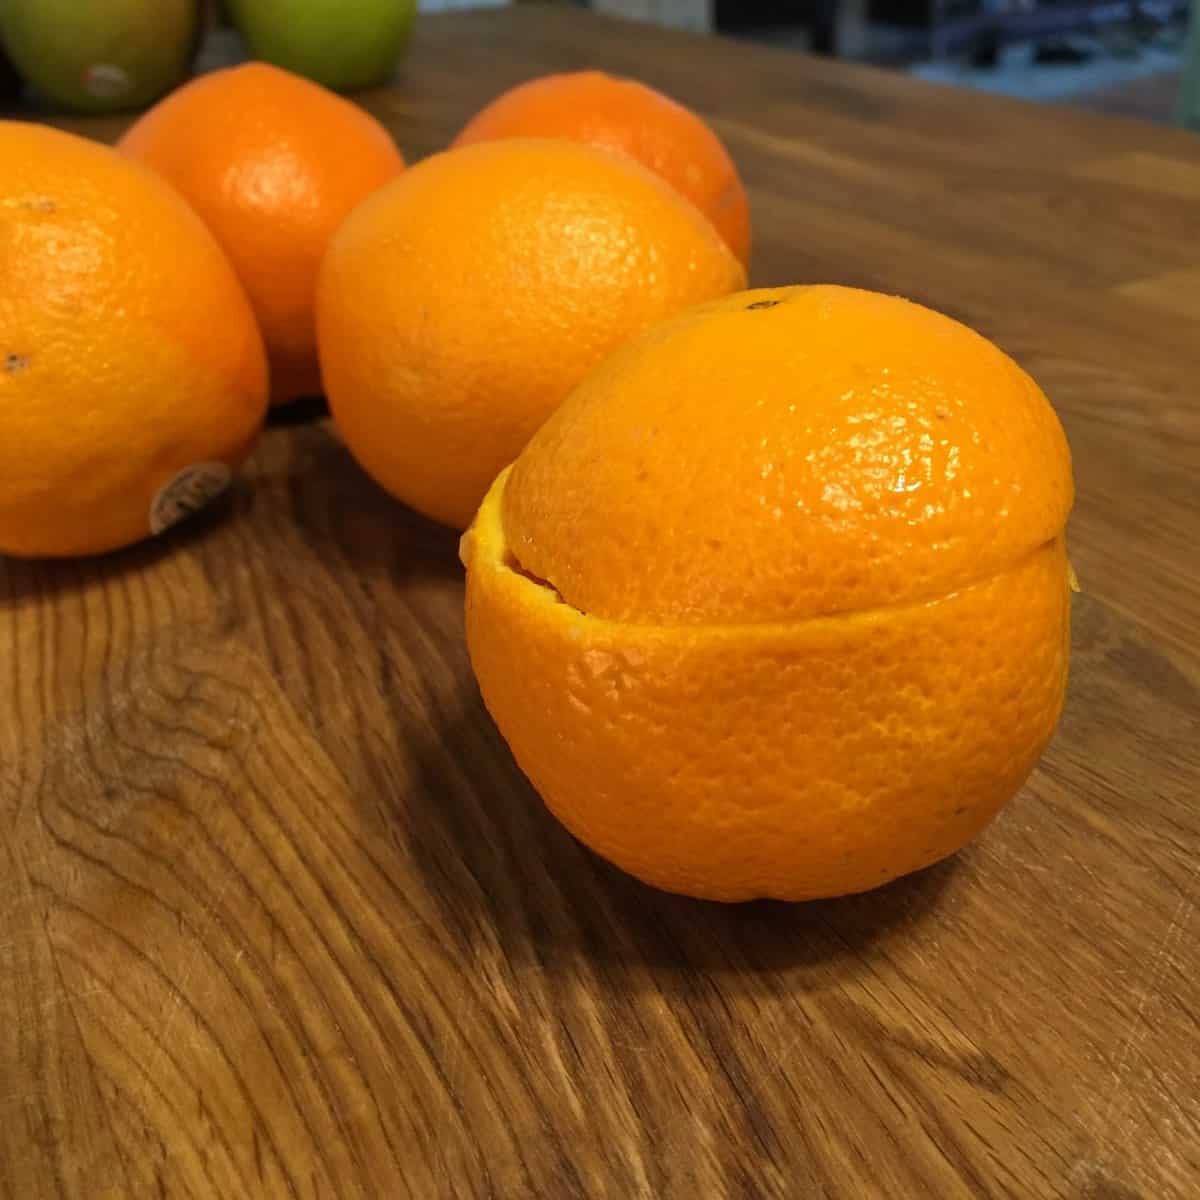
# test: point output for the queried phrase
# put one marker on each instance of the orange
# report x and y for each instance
(776, 604)
(132, 374)
(460, 305)
(631, 118)
(274, 164)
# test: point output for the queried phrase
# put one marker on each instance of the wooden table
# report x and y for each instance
(280, 918)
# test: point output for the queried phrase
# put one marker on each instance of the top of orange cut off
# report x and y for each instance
(783, 454)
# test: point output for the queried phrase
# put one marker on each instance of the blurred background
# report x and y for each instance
(1127, 57)
(1121, 56)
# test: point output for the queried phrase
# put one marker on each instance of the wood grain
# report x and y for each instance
(280, 918)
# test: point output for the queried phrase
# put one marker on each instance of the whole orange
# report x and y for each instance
(132, 374)
(629, 117)
(776, 604)
(460, 305)
(274, 164)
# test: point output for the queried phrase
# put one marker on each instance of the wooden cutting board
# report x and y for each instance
(279, 917)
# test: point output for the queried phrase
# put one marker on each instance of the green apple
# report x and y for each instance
(343, 44)
(102, 55)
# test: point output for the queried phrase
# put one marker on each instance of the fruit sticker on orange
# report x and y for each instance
(192, 489)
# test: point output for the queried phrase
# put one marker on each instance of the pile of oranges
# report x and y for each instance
(446, 310)
(767, 590)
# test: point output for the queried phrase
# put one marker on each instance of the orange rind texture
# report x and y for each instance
(777, 604)
(793, 760)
